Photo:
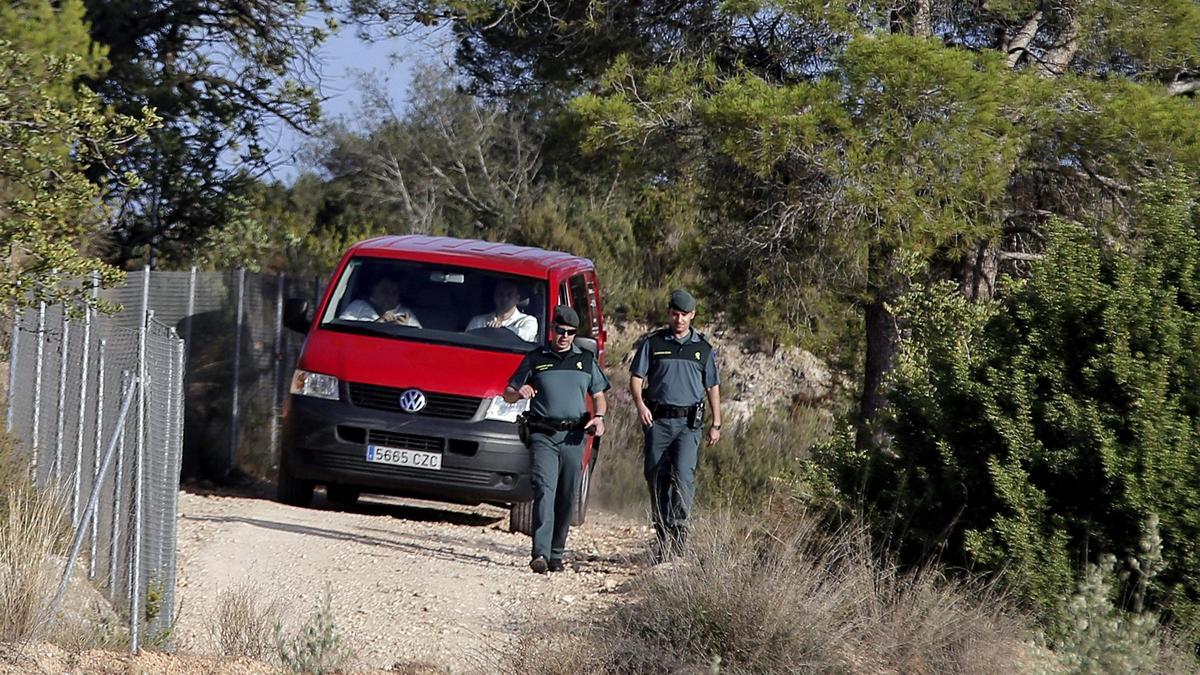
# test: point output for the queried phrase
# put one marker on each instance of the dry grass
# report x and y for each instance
(789, 598)
(245, 622)
(33, 527)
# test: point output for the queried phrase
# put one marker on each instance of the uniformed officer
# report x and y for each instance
(674, 371)
(558, 378)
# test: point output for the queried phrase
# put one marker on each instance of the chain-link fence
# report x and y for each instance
(203, 359)
(68, 378)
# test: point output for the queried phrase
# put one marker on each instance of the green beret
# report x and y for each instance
(566, 316)
(682, 301)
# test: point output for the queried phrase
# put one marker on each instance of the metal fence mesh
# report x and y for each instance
(205, 359)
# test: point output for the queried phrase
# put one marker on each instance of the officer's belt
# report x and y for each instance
(537, 423)
(664, 411)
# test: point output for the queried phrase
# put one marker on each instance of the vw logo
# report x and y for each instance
(412, 401)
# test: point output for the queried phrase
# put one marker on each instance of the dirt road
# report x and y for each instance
(411, 581)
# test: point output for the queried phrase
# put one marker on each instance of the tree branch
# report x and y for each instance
(1181, 87)
(1019, 44)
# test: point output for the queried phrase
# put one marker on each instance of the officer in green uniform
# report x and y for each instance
(674, 372)
(558, 378)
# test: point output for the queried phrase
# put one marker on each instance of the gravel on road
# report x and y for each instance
(411, 582)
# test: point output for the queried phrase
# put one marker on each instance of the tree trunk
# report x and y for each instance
(977, 272)
(882, 343)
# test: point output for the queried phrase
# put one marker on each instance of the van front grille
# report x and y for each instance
(444, 406)
(391, 439)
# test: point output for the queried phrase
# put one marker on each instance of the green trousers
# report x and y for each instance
(671, 451)
(557, 464)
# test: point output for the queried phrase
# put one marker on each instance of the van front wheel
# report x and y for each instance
(291, 490)
(579, 512)
(520, 518)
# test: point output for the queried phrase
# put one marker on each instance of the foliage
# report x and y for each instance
(1039, 432)
(1102, 638)
(316, 646)
(223, 78)
(245, 622)
(49, 207)
(453, 164)
(55, 28)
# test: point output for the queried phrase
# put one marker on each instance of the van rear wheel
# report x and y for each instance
(291, 490)
(520, 518)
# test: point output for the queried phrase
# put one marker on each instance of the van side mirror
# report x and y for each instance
(295, 315)
(588, 344)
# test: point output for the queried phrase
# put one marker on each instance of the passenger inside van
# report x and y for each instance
(506, 297)
(381, 304)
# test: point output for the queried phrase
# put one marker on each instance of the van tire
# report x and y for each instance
(291, 490)
(520, 518)
(342, 495)
(584, 490)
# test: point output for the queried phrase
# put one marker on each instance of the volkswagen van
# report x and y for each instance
(398, 386)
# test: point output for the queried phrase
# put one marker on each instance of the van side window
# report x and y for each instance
(579, 301)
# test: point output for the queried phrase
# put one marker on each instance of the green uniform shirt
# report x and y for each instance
(677, 371)
(563, 381)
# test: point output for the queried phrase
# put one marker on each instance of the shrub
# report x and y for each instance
(33, 528)
(784, 596)
(316, 647)
(1040, 431)
(245, 622)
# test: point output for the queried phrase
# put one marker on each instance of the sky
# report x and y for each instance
(345, 59)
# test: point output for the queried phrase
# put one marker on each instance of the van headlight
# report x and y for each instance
(317, 385)
(503, 411)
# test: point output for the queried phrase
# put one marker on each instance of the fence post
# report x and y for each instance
(191, 308)
(35, 442)
(277, 365)
(60, 412)
(99, 438)
(167, 481)
(118, 489)
(237, 365)
(135, 537)
(77, 484)
(176, 458)
(13, 352)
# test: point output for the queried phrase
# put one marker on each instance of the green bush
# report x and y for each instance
(753, 464)
(1041, 431)
(317, 646)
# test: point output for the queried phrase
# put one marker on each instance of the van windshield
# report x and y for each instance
(438, 303)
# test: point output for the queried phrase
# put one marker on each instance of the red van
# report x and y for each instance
(398, 387)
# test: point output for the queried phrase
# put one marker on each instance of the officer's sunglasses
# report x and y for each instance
(563, 330)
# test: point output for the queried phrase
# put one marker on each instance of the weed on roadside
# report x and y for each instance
(786, 597)
(33, 527)
(316, 646)
(245, 622)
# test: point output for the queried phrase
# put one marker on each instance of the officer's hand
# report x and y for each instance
(714, 435)
(596, 424)
(646, 416)
(527, 391)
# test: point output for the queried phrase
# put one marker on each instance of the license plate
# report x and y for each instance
(400, 457)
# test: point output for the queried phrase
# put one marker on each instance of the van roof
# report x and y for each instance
(509, 258)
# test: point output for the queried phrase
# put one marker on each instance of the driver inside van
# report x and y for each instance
(382, 304)
(506, 296)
